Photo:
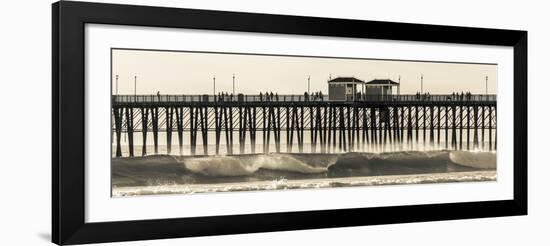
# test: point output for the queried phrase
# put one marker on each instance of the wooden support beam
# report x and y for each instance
(264, 122)
(169, 122)
(203, 111)
(252, 116)
(432, 126)
(325, 131)
(349, 128)
(227, 130)
(395, 120)
(311, 129)
(380, 128)
(446, 127)
(483, 128)
(246, 125)
(417, 122)
(476, 127)
(270, 120)
(356, 126)
(384, 123)
(155, 123)
(288, 126)
(409, 127)
(301, 146)
(330, 126)
(401, 130)
(318, 130)
(144, 122)
(468, 128)
(241, 130)
(490, 128)
(342, 144)
(293, 123)
(453, 133)
(217, 128)
(179, 128)
(424, 126)
(193, 130)
(365, 128)
(277, 128)
(438, 126)
(230, 114)
(461, 125)
(374, 140)
(384, 126)
(118, 129)
(130, 130)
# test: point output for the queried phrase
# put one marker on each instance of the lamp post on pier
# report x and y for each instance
(116, 85)
(422, 84)
(135, 88)
(399, 86)
(486, 88)
(214, 81)
(308, 79)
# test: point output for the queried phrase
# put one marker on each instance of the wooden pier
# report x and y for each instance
(446, 121)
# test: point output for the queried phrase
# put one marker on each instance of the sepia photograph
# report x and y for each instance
(173, 121)
(186, 122)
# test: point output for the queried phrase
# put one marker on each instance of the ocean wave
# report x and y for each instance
(249, 164)
(476, 159)
(163, 169)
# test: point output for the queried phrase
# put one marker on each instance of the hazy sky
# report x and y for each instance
(191, 73)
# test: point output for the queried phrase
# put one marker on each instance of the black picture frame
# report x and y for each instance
(68, 107)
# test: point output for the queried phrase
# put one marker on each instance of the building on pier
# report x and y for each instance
(344, 88)
(380, 88)
(351, 89)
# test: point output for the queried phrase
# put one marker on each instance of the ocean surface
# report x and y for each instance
(170, 174)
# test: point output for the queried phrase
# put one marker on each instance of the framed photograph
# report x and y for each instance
(175, 122)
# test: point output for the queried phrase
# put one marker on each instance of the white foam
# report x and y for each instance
(474, 159)
(244, 165)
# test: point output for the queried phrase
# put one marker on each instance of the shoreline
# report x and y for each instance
(284, 184)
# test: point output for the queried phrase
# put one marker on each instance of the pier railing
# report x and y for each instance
(299, 98)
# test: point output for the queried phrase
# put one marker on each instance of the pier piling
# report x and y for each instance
(332, 126)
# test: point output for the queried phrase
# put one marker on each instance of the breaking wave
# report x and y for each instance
(161, 169)
(249, 164)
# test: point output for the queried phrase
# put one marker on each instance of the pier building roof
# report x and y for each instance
(382, 82)
(346, 80)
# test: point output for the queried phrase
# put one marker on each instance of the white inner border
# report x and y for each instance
(100, 207)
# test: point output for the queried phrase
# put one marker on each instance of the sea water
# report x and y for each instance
(174, 174)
